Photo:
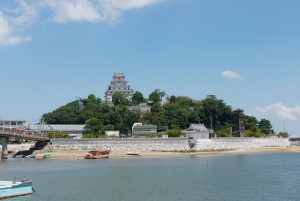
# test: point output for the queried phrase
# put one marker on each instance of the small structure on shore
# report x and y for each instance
(112, 133)
(239, 127)
(197, 131)
(140, 130)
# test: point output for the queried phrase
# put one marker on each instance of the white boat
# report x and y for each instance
(133, 153)
(9, 189)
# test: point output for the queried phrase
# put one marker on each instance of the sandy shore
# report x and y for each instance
(79, 154)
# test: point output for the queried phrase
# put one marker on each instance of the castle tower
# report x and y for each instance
(238, 123)
(118, 84)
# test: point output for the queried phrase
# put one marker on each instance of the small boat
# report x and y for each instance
(97, 154)
(133, 153)
(47, 156)
(9, 189)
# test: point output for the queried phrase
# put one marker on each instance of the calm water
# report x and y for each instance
(230, 177)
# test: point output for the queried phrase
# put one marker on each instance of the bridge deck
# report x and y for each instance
(27, 135)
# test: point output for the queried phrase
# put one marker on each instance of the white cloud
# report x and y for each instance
(75, 10)
(25, 13)
(112, 10)
(28, 12)
(280, 111)
(91, 10)
(231, 75)
(6, 33)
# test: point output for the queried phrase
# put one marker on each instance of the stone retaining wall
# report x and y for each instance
(170, 144)
(132, 144)
(216, 144)
(159, 144)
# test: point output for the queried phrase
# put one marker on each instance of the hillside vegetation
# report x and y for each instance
(176, 113)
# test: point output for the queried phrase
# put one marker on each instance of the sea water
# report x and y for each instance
(219, 177)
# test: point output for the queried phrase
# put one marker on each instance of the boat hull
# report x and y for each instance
(133, 153)
(9, 190)
(96, 157)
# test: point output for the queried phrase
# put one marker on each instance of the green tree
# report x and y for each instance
(89, 136)
(225, 132)
(250, 123)
(93, 126)
(58, 135)
(251, 133)
(137, 98)
(174, 133)
(162, 94)
(119, 99)
(265, 126)
(216, 110)
(172, 99)
(156, 107)
(154, 96)
(283, 134)
(67, 114)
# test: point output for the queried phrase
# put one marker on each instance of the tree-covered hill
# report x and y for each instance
(175, 113)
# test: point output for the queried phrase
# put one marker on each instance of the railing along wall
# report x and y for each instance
(24, 134)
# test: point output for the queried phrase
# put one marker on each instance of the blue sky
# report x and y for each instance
(244, 52)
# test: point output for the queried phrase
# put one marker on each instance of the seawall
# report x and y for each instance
(218, 144)
(125, 144)
(159, 144)
(170, 144)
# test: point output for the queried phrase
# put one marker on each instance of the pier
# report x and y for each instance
(6, 134)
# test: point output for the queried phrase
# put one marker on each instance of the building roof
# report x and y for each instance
(13, 120)
(145, 126)
(238, 110)
(141, 106)
(57, 127)
(197, 127)
(118, 74)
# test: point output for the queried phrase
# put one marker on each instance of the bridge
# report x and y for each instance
(6, 133)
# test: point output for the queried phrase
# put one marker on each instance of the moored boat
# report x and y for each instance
(133, 153)
(98, 154)
(47, 155)
(9, 189)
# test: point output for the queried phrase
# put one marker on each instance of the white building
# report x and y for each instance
(197, 131)
(140, 130)
(112, 133)
(74, 130)
(12, 123)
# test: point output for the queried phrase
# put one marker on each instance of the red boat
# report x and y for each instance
(97, 154)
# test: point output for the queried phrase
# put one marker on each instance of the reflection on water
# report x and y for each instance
(21, 198)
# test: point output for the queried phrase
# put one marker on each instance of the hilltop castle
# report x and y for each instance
(118, 84)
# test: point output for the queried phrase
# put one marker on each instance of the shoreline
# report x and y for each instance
(79, 154)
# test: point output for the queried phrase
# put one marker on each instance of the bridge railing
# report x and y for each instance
(22, 133)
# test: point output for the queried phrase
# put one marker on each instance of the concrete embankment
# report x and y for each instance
(125, 144)
(158, 144)
(219, 144)
(170, 144)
